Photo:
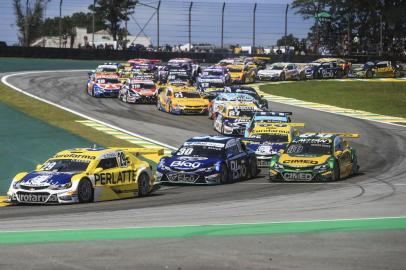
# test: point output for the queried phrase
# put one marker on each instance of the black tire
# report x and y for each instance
(253, 169)
(282, 77)
(355, 167)
(339, 74)
(85, 191)
(302, 76)
(143, 185)
(223, 174)
(92, 92)
(336, 172)
(369, 74)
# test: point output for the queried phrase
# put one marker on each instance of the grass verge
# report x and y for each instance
(387, 98)
(57, 117)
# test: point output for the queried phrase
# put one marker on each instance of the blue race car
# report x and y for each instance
(208, 160)
(213, 77)
(270, 117)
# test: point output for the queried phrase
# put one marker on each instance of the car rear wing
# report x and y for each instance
(278, 124)
(273, 113)
(341, 134)
(141, 151)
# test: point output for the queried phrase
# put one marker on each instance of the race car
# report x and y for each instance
(279, 72)
(105, 68)
(324, 70)
(241, 73)
(184, 100)
(208, 160)
(83, 175)
(315, 157)
(378, 70)
(267, 139)
(143, 61)
(344, 64)
(242, 89)
(213, 77)
(232, 118)
(125, 72)
(268, 117)
(138, 91)
(220, 101)
(187, 62)
(104, 85)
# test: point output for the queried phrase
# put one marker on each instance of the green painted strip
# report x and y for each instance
(203, 230)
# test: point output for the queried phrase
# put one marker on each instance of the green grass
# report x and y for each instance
(387, 98)
(57, 117)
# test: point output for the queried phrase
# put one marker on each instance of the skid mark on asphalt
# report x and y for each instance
(393, 120)
(123, 136)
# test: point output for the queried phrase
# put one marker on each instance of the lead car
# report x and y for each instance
(83, 175)
(208, 160)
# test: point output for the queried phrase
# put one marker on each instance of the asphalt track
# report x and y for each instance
(378, 191)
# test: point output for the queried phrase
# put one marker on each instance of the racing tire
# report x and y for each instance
(302, 76)
(223, 174)
(336, 172)
(282, 77)
(339, 74)
(143, 185)
(253, 169)
(369, 74)
(355, 167)
(92, 92)
(85, 191)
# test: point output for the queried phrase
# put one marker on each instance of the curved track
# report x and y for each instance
(379, 190)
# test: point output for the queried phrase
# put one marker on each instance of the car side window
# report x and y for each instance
(290, 67)
(233, 150)
(338, 145)
(108, 163)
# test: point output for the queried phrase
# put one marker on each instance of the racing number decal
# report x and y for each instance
(185, 151)
(122, 161)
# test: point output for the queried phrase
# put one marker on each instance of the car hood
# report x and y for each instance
(211, 78)
(305, 161)
(191, 101)
(266, 149)
(186, 163)
(45, 179)
(109, 85)
(270, 72)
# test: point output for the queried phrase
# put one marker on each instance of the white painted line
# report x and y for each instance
(4, 80)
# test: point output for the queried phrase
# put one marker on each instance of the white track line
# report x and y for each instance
(5, 78)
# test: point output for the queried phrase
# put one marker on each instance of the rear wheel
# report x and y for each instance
(282, 76)
(92, 92)
(223, 174)
(143, 185)
(85, 191)
(253, 169)
(369, 74)
(355, 167)
(336, 172)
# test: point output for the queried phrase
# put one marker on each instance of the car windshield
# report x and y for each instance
(107, 80)
(309, 149)
(235, 69)
(200, 151)
(277, 67)
(271, 138)
(186, 95)
(108, 70)
(212, 73)
(65, 165)
(142, 85)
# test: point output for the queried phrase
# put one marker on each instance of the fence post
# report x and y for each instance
(190, 25)
(222, 25)
(286, 24)
(93, 22)
(60, 23)
(157, 23)
(254, 28)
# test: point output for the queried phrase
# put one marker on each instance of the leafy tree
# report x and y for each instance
(113, 12)
(288, 40)
(29, 21)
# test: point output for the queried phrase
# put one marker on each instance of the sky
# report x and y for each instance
(206, 20)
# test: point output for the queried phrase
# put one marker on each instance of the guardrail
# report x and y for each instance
(123, 55)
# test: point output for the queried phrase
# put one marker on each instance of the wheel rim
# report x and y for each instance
(85, 191)
(143, 184)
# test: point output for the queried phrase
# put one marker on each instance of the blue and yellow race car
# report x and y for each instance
(208, 160)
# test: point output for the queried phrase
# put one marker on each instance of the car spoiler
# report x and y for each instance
(341, 134)
(281, 124)
(141, 151)
(273, 113)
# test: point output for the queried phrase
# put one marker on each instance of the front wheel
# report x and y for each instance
(282, 77)
(369, 74)
(223, 174)
(143, 185)
(85, 191)
(336, 172)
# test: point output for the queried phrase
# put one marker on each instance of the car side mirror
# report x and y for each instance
(98, 170)
(38, 167)
(339, 153)
(281, 151)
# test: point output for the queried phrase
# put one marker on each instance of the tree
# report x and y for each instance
(29, 22)
(113, 12)
(288, 40)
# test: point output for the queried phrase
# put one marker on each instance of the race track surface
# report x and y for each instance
(378, 191)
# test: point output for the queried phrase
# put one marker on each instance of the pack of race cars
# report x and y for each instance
(252, 137)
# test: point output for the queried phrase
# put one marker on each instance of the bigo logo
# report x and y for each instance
(185, 164)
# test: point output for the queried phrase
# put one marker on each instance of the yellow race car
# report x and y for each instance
(84, 175)
(315, 157)
(181, 100)
(241, 73)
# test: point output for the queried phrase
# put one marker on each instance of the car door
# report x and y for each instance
(343, 154)
(107, 172)
(236, 158)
